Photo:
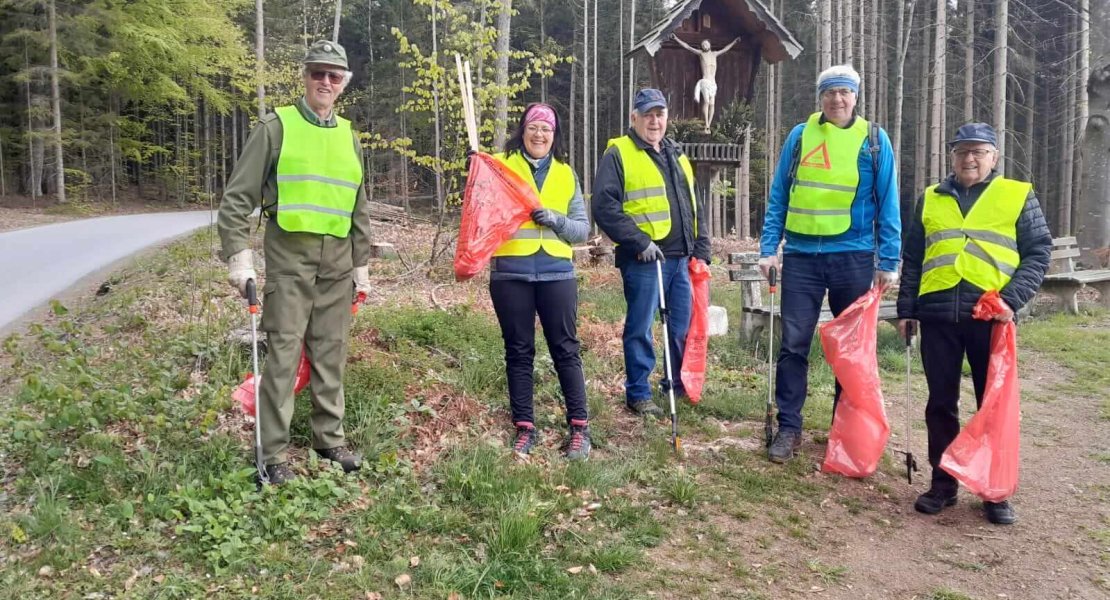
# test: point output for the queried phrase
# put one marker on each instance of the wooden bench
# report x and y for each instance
(1064, 282)
(754, 316)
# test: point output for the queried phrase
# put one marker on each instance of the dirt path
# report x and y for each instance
(863, 540)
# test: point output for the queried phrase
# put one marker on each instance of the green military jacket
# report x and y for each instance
(253, 184)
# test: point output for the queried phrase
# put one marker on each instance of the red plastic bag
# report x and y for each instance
(984, 456)
(860, 430)
(495, 204)
(697, 337)
(245, 392)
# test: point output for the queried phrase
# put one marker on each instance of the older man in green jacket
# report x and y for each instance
(302, 165)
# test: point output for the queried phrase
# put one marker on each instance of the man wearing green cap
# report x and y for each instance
(302, 165)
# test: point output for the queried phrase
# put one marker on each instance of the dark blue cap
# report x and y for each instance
(975, 132)
(649, 98)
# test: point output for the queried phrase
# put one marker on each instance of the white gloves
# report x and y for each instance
(362, 280)
(765, 264)
(885, 279)
(240, 269)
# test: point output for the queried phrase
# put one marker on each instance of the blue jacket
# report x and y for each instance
(869, 219)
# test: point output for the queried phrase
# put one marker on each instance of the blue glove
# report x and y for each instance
(545, 217)
(651, 253)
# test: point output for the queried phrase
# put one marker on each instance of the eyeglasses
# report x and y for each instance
(978, 153)
(540, 129)
(334, 77)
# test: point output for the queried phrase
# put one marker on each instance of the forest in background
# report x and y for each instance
(104, 99)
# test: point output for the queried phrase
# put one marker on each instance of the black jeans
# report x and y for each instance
(517, 303)
(943, 346)
(805, 279)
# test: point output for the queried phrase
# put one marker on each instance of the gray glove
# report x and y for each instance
(240, 269)
(651, 253)
(546, 217)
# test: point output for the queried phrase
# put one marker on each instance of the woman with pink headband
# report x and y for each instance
(533, 273)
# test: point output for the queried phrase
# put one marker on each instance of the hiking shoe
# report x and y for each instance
(340, 454)
(646, 408)
(1000, 513)
(279, 473)
(783, 447)
(526, 438)
(934, 501)
(578, 445)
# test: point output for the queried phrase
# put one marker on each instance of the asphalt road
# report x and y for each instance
(38, 263)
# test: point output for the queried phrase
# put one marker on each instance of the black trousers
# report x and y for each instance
(556, 302)
(943, 347)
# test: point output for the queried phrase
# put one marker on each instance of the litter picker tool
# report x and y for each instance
(676, 442)
(252, 306)
(768, 426)
(911, 462)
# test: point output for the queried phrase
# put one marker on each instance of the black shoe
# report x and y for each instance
(578, 445)
(525, 439)
(934, 501)
(349, 460)
(646, 408)
(783, 447)
(279, 473)
(1000, 513)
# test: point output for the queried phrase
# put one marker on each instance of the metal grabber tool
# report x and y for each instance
(911, 462)
(676, 442)
(768, 424)
(252, 306)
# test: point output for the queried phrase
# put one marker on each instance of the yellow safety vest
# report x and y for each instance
(558, 191)
(318, 175)
(826, 178)
(980, 248)
(645, 192)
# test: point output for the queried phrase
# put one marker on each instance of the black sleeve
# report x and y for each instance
(606, 205)
(1034, 242)
(702, 245)
(913, 254)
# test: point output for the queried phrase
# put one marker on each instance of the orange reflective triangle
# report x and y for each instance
(817, 162)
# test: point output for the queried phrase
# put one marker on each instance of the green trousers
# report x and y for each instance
(306, 303)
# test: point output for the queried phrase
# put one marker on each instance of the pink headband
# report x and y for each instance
(542, 113)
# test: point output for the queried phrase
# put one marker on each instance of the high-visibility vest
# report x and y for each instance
(318, 175)
(645, 192)
(826, 177)
(558, 191)
(980, 248)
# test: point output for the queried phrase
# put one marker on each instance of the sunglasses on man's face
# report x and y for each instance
(334, 77)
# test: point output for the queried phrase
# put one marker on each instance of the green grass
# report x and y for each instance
(947, 594)
(1083, 350)
(123, 451)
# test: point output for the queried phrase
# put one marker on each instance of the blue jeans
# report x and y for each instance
(641, 294)
(805, 278)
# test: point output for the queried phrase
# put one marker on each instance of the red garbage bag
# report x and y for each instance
(496, 203)
(697, 337)
(984, 456)
(860, 430)
(245, 392)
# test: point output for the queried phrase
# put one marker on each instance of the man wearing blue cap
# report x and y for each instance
(834, 198)
(644, 200)
(974, 232)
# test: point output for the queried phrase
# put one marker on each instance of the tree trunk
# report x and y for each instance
(1082, 101)
(969, 64)
(56, 101)
(921, 139)
(848, 41)
(936, 124)
(744, 212)
(543, 44)
(501, 106)
(825, 48)
(1063, 215)
(260, 56)
(1093, 226)
(998, 89)
(902, 39)
(338, 16)
(585, 172)
(441, 200)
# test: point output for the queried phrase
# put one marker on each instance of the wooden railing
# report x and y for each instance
(720, 153)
